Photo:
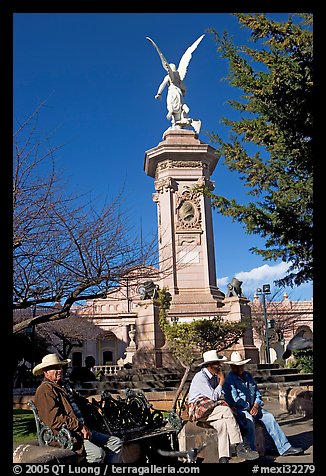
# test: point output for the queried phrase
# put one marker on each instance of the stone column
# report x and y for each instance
(131, 348)
(180, 163)
(238, 309)
(150, 338)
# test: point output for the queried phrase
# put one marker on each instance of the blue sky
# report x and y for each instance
(99, 76)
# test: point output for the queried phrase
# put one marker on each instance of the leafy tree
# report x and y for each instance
(188, 340)
(270, 146)
(29, 347)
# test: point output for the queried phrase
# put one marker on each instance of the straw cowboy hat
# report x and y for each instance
(48, 361)
(211, 356)
(236, 359)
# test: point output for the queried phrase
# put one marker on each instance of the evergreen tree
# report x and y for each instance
(271, 143)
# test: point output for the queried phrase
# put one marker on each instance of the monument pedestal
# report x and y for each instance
(238, 309)
(149, 336)
(196, 304)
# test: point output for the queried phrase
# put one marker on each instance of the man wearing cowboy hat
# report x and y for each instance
(206, 389)
(242, 393)
(56, 408)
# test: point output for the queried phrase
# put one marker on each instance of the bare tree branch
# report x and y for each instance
(65, 249)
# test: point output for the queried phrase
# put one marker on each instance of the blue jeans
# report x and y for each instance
(247, 422)
(95, 452)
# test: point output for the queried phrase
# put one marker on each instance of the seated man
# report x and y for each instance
(84, 374)
(205, 393)
(241, 393)
(56, 407)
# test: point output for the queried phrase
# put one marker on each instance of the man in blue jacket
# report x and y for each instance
(207, 405)
(241, 393)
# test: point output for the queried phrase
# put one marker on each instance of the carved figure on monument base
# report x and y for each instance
(130, 350)
(234, 288)
(148, 290)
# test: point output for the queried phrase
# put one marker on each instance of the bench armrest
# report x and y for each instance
(45, 434)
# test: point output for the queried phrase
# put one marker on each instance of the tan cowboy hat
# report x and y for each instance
(48, 361)
(236, 359)
(211, 356)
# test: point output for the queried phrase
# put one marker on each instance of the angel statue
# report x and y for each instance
(177, 109)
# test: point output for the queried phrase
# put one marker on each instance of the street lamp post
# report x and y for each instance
(266, 290)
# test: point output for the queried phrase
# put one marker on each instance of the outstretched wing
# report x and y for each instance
(183, 65)
(165, 64)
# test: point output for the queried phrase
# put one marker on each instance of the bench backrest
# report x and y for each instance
(117, 416)
(133, 413)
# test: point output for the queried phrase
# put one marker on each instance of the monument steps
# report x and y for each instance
(286, 377)
(161, 384)
(150, 383)
(270, 379)
(275, 371)
(271, 390)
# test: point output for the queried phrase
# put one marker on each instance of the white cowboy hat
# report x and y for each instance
(211, 356)
(236, 359)
(48, 361)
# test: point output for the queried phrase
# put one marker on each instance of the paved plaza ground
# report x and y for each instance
(299, 431)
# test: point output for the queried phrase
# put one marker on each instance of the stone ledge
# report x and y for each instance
(194, 434)
(33, 453)
(297, 400)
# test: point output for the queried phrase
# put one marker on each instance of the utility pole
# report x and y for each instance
(266, 290)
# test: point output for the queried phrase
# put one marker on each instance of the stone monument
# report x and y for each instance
(181, 165)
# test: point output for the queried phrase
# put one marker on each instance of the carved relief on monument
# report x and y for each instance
(204, 182)
(165, 184)
(188, 214)
(188, 239)
(175, 164)
(156, 199)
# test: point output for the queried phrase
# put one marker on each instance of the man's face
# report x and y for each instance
(214, 367)
(54, 373)
(237, 369)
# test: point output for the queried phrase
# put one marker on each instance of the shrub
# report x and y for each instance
(303, 361)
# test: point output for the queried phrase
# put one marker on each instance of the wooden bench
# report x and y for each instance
(142, 429)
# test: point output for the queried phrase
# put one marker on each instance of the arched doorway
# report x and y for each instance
(107, 348)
